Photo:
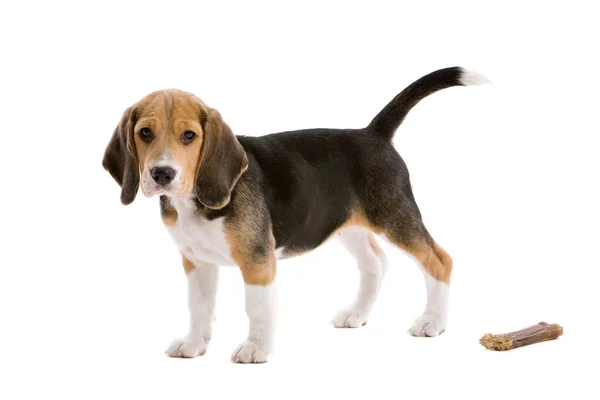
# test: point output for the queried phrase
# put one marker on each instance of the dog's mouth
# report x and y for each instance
(174, 189)
(151, 190)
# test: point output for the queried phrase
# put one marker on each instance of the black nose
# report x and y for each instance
(163, 175)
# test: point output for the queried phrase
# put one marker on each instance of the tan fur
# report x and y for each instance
(260, 274)
(357, 218)
(251, 241)
(434, 260)
(256, 269)
(168, 214)
(169, 219)
(446, 262)
(169, 113)
(188, 267)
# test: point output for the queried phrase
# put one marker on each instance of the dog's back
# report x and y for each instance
(315, 180)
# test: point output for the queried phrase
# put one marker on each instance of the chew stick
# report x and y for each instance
(533, 334)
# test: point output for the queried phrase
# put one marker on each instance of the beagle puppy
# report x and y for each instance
(250, 201)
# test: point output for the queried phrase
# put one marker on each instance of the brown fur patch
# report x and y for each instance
(434, 260)
(257, 268)
(446, 261)
(262, 274)
(357, 218)
(188, 266)
(168, 213)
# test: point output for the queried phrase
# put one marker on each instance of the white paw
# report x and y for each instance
(349, 318)
(250, 352)
(428, 325)
(186, 348)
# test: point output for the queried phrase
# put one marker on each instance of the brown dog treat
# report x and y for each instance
(533, 334)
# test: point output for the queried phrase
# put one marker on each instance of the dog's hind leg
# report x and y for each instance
(396, 217)
(372, 264)
(436, 265)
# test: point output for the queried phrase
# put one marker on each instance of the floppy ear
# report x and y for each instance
(223, 162)
(120, 158)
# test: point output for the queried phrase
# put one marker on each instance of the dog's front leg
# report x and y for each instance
(261, 308)
(202, 291)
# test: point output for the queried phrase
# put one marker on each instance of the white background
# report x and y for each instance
(506, 175)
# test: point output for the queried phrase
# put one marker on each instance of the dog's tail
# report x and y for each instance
(392, 115)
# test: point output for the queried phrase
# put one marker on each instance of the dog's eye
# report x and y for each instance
(146, 134)
(187, 137)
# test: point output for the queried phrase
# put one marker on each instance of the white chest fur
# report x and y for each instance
(201, 241)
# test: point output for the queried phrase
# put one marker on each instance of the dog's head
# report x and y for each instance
(171, 143)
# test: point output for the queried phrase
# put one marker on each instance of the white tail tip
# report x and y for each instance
(468, 78)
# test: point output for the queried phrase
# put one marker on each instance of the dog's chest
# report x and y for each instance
(200, 240)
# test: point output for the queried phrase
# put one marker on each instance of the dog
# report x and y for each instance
(250, 201)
